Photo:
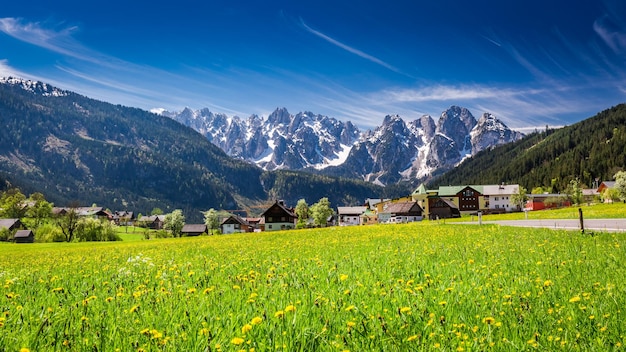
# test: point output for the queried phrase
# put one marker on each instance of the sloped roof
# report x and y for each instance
(496, 190)
(453, 190)
(8, 223)
(403, 208)
(282, 207)
(194, 228)
(23, 234)
(351, 210)
(235, 219)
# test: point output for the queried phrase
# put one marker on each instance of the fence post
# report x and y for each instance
(580, 217)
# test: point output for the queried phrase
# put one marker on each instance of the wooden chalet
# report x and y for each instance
(278, 217)
(441, 208)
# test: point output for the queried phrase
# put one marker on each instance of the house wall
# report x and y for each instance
(502, 201)
(277, 226)
(349, 220)
(230, 228)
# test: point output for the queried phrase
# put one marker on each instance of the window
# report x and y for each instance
(496, 198)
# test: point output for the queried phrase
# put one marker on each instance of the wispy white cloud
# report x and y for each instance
(613, 38)
(349, 48)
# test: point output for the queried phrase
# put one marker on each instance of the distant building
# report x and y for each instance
(24, 236)
(278, 217)
(349, 216)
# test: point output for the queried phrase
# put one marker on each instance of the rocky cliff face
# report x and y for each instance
(395, 151)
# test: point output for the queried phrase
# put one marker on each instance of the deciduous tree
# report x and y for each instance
(321, 211)
(174, 222)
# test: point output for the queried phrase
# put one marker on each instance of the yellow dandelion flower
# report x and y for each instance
(574, 299)
(405, 310)
(290, 308)
(412, 338)
(489, 320)
(246, 328)
(343, 277)
(351, 324)
(24, 349)
(256, 321)
(548, 283)
(280, 314)
(208, 290)
(443, 303)
(237, 341)
(350, 308)
(133, 309)
(437, 345)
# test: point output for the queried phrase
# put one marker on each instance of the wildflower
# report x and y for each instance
(237, 341)
(24, 349)
(208, 290)
(280, 314)
(204, 332)
(246, 328)
(350, 308)
(290, 308)
(133, 309)
(351, 324)
(405, 310)
(548, 283)
(343, 277)
(411, 338)
(256, 320)
(57, 289)
(574, 299)
(489, 320)
(443, 303)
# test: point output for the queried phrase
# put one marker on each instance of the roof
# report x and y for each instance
(496, 190)
(454, 190)
(282, 207)
(448, 203)
(152, 218)
(235, 219)
(402, 207)
(420, 190)
(194, 228)
(82, 211)
(351, 210)
(23, 234)
(8, 223)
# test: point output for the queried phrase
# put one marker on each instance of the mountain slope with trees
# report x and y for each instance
(73, 148)
(593, 149)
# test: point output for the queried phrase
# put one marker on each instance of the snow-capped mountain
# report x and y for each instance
(34, 87)
(280, 141)
(392, 152)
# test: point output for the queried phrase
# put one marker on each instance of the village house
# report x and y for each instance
(401, 212)
(154, 222)
(349, 216)
(498, 198)
(278, 217)
(235, 224)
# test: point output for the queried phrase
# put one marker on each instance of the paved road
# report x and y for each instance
(603, 225)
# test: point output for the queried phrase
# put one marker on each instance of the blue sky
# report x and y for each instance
(529, 62)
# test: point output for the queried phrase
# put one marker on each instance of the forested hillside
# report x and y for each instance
(593, 148)
(72, 148)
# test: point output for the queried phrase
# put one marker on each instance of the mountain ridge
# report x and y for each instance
(396, 151)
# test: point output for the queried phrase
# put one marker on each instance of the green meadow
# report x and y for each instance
(414, 287)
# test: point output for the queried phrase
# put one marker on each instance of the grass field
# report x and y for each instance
(590, 211)
(376, 288)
